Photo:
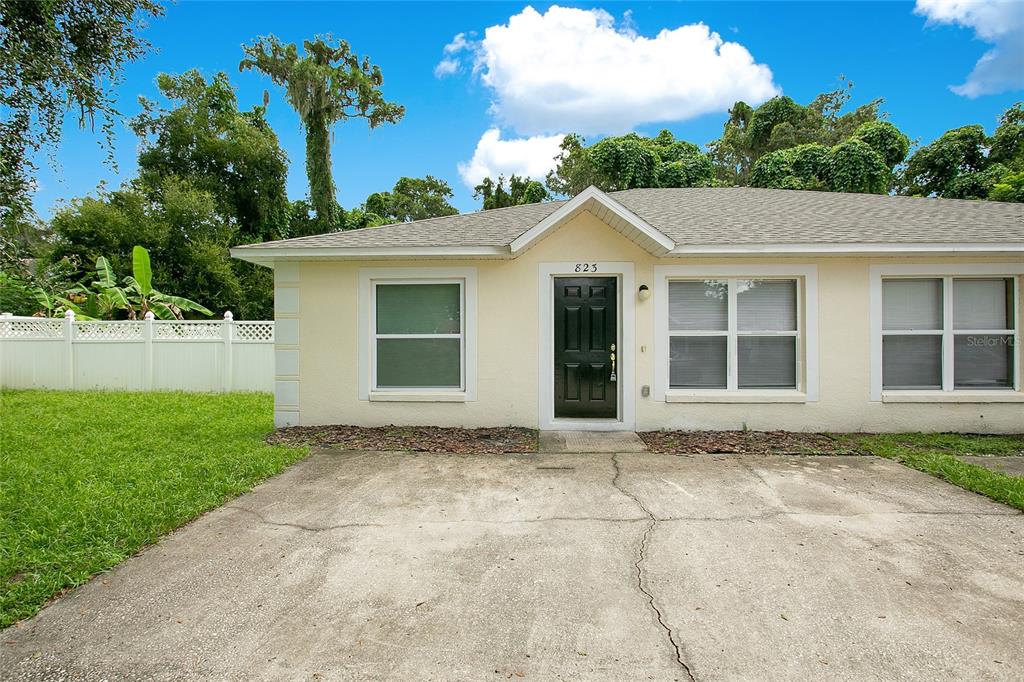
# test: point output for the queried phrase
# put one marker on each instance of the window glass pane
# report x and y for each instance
(418, 309)
(698, 305)
(767, 361)
(912, 362)
(766, 305)
(697, 361)
(982, 361)
(982, 304)
(419, 363)
(912, 304)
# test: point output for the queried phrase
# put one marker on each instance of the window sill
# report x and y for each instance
(780, 396)
(994, 396)
(418, 396)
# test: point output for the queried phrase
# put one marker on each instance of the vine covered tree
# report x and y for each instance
(965, 163)
(327, 84)
(56, 56)
(628, 162)
(864, 162)
(520, 190)
(781, 123)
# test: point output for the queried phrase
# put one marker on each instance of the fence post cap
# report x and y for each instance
(148, 316)
(69, 314)
(229, 316)
(6, 314)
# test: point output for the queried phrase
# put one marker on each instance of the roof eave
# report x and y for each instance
(850, 249)
(266, 255)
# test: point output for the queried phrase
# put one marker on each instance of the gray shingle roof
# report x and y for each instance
(720, 217)
(747, 215)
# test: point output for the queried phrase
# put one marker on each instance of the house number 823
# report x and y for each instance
(586, 267)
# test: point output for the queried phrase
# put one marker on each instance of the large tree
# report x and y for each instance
(781, 123)
(412, 199)
(628, 162)
(520, 190)
(327, 84)
(210, 177)
(409, 199)
(56, 56)
(233, 155)
(965, 163)
(862, 163)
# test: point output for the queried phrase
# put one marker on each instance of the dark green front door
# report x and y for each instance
(586, 324)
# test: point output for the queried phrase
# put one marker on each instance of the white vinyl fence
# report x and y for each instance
(150, 355)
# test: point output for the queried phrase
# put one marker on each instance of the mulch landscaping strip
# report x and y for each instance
(514, 439)
(746, 443)
(410, 438)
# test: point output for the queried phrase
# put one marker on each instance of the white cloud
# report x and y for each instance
(459, 43)
(574, 69)
(450, 64)
(1000, 22)
(447, 67)
(531, 156)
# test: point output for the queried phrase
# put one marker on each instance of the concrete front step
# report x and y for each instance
(591, 441)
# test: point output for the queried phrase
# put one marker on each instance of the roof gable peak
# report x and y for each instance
(607, 209)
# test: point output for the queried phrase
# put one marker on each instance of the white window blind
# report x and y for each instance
(698, 305)
(912, 304)
(698, 361)
(766, 305)
(948, 333)
(732, 334)
(983, 323)
(767, 361)
(983, 303)
(912, 317)
(912, 362)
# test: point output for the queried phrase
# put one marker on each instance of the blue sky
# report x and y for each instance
(526, 86)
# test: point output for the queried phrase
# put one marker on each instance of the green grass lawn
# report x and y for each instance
(89, 478)
(935, 454)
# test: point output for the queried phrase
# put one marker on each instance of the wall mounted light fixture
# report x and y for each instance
(644, 293)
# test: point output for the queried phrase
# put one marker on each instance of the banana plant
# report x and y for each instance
(142, 298)
(48, 303)
(100, 300)
(103, 298)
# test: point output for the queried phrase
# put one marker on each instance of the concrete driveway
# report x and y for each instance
(632, 566)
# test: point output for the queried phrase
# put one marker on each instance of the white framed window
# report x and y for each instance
(948, 333)
(418, 334)
(748, 333)
(945, 330)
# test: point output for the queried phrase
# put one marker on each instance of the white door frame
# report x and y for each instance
(624, 273)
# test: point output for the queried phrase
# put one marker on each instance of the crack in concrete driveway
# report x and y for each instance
(653, 522)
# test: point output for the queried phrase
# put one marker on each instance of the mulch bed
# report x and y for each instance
(410, 438)
(514, 439)
(746, 443)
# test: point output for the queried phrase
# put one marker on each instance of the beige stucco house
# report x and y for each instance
(718, 308)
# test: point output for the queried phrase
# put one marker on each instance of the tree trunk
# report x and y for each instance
(318, 170)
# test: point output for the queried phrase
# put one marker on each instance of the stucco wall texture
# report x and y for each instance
(507, 328)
